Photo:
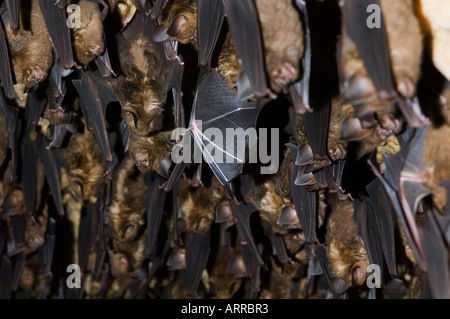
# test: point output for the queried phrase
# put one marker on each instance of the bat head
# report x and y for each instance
(87, 40)
(179, 23)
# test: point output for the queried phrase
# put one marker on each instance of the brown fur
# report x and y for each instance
(127, 257)
(148, 152)
(198, 205)
(228, 65)
(435, 15)
(345, 249)
(142, 87)
(85, 165)
(283, 39)
(221, 282)
(126, 212)
(87, 40)
(31, 51)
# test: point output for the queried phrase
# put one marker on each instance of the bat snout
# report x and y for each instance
(142, 158)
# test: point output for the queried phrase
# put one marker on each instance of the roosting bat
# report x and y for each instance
(31, 45)
(142, 87)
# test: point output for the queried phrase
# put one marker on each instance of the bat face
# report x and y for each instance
(142, 87)
(128, 257)
(31, 48)
(148, 152)
(126, 212)
(180, 21)
(87, 40)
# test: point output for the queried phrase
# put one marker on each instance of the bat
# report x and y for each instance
(85, 165)
(88, 38)
(345, 249)
(198, 246)
(127, 257)
(377, 56)
(55, 21)
(126, 212)
(282, 54)
(30, 67)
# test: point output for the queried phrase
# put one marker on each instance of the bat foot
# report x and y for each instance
(35, 74)
(406, 87)
(284, 75)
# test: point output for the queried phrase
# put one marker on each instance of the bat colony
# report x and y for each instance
(358, 89)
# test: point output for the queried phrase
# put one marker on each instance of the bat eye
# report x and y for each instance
(132, 117)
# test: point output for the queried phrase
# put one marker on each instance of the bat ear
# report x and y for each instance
(177, 26)
(163, 33)
(157, 123)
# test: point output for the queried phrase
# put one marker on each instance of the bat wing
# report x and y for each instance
(95, 94)
(5, 68)
(51, 169)
(87, 232)
(46, 251)
(6, 272)
(18, 229)
(19, 265)
(154, 209)
(299, 91)
(407, 220)
(436, 255)
(321, 254)
(198, 247)
(216, 107)
(279, 248)
(55, 20)
(157, 9)
(13, 8)
(244, 26)
(210, 15)
(413, 175)
(305, 203)
(384, 214)
(35, 106)
(316, 125)
(104, 64)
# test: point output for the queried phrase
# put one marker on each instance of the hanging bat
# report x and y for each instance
(30, 45)
(85, 165)
(126, 212)
(345, 249)
(282, 54)
(434, 15)
(88, 38)
(373, 60)
(142, 87)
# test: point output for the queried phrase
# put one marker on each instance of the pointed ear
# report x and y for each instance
(177, 25)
